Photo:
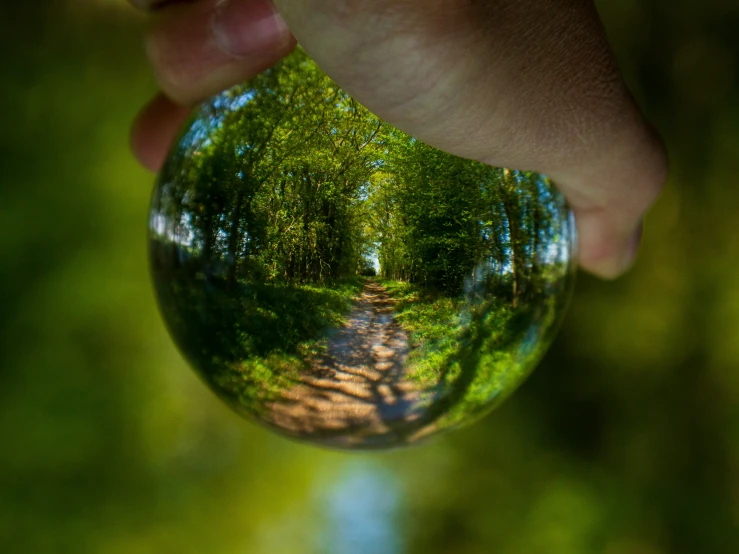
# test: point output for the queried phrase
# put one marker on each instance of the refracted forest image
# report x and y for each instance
(342, 282)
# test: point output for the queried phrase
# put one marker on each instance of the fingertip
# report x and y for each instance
(605, 250)
(200, 48)
(245, 28)
(154, 131)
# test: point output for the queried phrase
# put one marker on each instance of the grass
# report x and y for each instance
(250, 342)
(468, 356)
(433, 324)
(287, 329)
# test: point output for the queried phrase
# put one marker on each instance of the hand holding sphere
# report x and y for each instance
(282, 192)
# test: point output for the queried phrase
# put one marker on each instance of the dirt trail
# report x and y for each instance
(360, 385)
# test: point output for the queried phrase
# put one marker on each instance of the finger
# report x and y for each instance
(200, 48)
(526, 85)
(610, 197)
(604, 248)
(154, 131)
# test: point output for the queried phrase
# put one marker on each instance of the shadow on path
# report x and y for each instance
(358, 393)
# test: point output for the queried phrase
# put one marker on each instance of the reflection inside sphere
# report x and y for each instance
(342, 282)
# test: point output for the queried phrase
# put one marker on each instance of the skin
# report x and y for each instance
(525, 84)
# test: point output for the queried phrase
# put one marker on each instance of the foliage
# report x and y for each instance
(478, 352)
(287, 179)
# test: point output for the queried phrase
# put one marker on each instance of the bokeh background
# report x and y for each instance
(624, 441)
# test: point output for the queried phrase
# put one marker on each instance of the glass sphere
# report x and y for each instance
(343, 283)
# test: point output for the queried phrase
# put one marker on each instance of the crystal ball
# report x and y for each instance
(343, 283)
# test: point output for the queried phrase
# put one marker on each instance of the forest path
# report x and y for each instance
(360, 385)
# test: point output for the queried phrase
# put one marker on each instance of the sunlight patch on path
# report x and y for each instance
(360, 386)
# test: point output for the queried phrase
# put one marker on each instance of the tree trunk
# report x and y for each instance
(233, 238)
(508, 207)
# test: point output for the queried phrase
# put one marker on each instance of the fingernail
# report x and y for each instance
(243, 27)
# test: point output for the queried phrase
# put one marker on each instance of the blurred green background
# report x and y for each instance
(624, 441)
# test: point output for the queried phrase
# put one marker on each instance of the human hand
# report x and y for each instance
(511, 83)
